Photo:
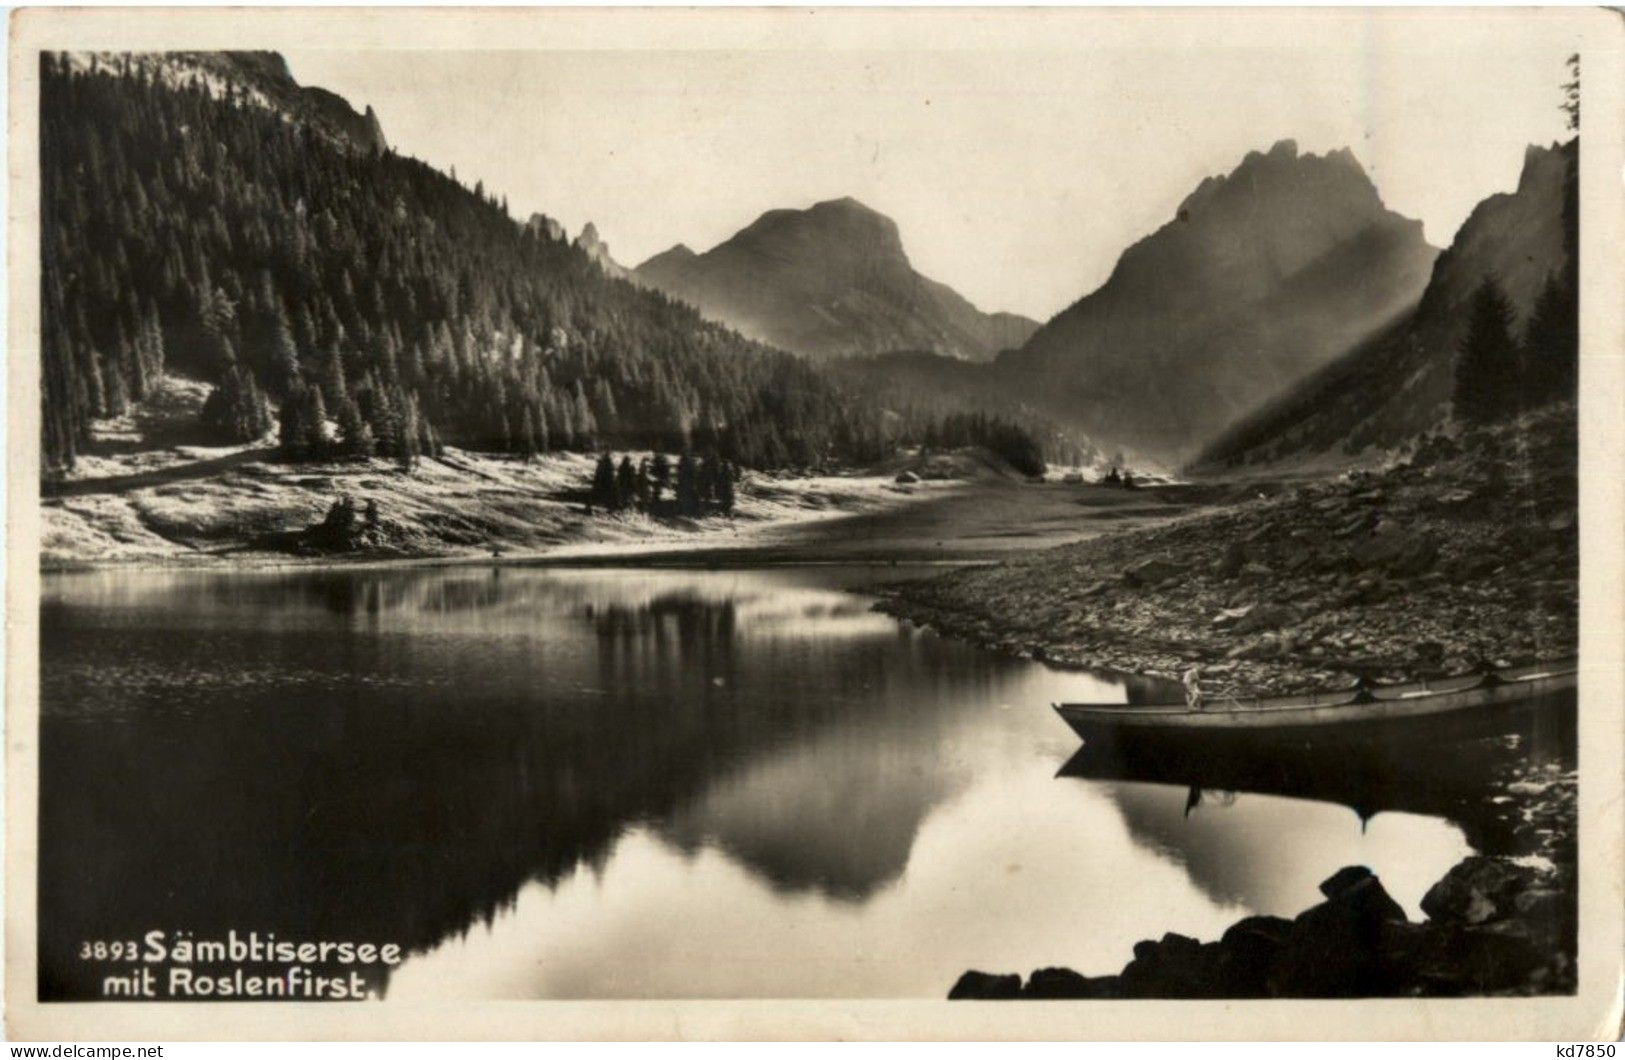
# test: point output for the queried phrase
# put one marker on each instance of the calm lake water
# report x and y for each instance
(612, 783)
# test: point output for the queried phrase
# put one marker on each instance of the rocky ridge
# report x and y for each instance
(259, 78)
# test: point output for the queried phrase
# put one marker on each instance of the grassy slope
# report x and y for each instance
(147, 493)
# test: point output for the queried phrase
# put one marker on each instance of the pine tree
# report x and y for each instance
(355, 435)
(292, 432)
(527, 436)
(236, 410)
(725, 489)
(625, 483)
(313, 423)
(281, 356)
(1551, 347)
(1487, 375)
(642, 492)
(117, 395)
(659, 477)
(603, 481)
(705, 486)
(335, 387)
(411, 433)
(688, 500)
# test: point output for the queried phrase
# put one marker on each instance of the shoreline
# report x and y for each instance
(1493, 926)
(528, 521)
(1432, 567)
(806, 521)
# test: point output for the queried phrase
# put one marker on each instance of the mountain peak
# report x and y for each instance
(839, 218)
(1263, 274)
(675, 256)
(1283, 150)
(830, 280)
(846, 204)
(1282, 166)
(591, 244)
(1399, 382)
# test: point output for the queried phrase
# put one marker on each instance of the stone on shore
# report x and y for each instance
(1479, 889)
(984, 986)
(1065, 984)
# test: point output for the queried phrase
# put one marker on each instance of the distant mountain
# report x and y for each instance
(1398, 383)
(830, 281)
(1261, 277)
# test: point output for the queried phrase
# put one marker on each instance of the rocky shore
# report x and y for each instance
(1464, 551)
(1493, 926)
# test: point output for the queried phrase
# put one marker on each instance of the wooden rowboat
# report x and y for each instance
(1337, 711)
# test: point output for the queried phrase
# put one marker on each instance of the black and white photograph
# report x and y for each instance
(739, 506)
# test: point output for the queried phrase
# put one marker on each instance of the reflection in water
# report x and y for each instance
(1245, 850)
(619, 783)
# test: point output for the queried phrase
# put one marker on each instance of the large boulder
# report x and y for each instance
(984, 986)
(1176, 966)
(1343, 879)
(1479, 889)
(1064, 983)
(1248, 950)
(1335, 949)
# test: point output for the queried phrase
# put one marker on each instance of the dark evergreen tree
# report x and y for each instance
(1487, 365)
(528, 447)
(603, 481)
(643, 488)
(291, 430)
(314, 443)
(412, 425)
(626, 482)
(1551, 348)
(705, 481)
(725, 490)
(236, 410)
(659, 476)
(688, 495)
(355, 434)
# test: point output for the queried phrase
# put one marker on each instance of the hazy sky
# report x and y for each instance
(1016, 175)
